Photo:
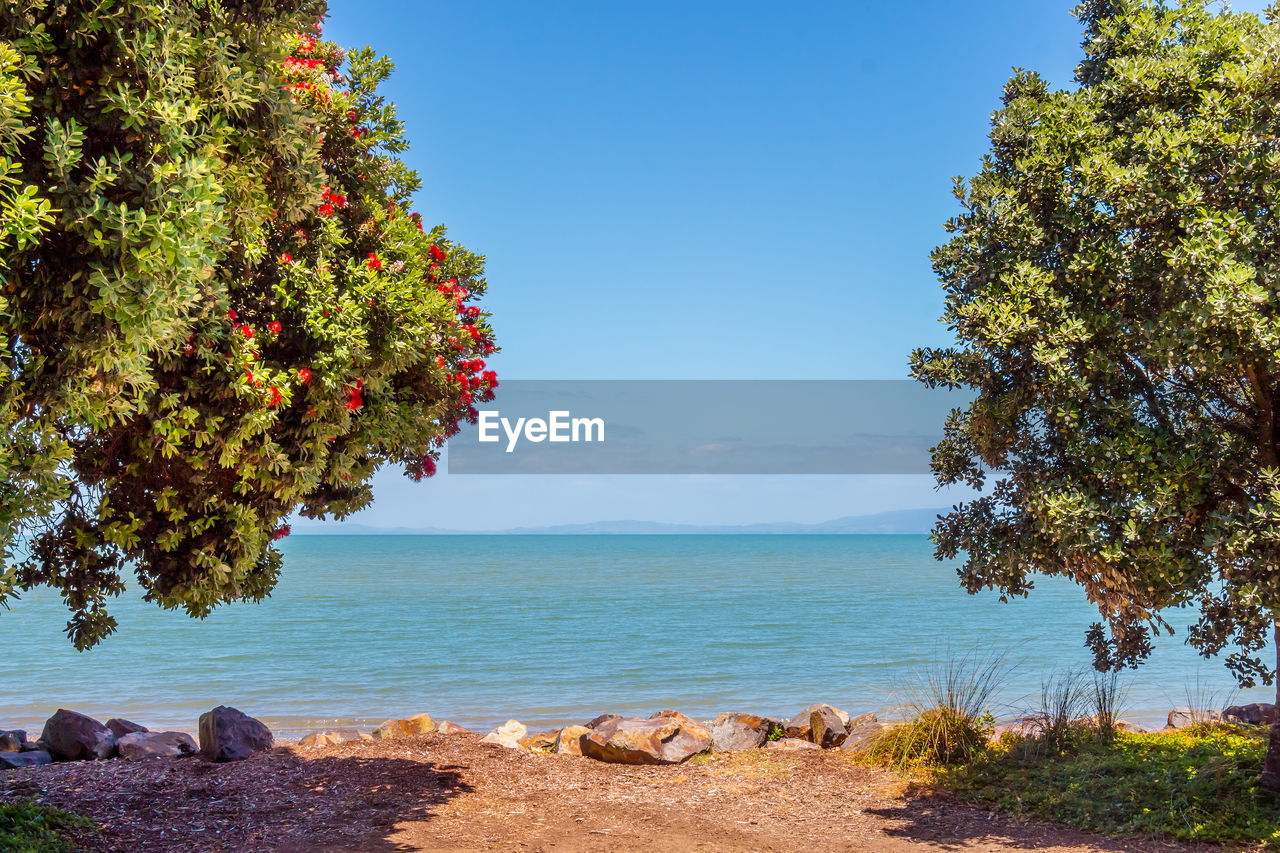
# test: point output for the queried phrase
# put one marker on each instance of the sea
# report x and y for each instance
(553, 630)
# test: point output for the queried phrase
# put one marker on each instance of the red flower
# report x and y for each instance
(304, 376)
(374, 263)
(436, 252)
(276, 396)
(248, 376)
(426, 468)
(339, 200)
(231, 315)
(280, 533)
(274, 327)
(286, 258)
(444, 288)
(439, 361)
(355, 400)
(326, 210)
(246, 331)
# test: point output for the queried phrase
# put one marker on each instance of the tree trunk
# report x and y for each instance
(1271, 766)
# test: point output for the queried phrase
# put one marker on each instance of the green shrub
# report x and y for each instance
(1198, 784)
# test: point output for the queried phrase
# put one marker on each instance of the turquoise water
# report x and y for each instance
(555, 629)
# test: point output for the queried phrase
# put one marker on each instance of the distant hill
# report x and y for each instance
(916, 521)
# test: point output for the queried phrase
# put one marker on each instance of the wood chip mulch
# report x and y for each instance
(451, 793)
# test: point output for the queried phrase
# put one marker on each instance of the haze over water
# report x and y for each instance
(557, 629)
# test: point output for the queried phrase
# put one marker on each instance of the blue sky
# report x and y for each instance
(708, 190)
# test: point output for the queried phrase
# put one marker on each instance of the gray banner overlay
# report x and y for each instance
(705, 427)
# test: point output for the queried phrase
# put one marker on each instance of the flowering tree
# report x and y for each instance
(1114, 282)
(216, 306)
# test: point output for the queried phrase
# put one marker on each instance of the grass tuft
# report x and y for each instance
(26, 827)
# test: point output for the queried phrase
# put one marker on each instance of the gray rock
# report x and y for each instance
(734, 731)
(227, 734)
(1181, 717)
(863, 731)
(71, 736)
(120, 727)
(1255, 714)
(14, 740)
(140, 746)
(29, 758)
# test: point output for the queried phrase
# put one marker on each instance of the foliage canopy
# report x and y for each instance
(215, 307)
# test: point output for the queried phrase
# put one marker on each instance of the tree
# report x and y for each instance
(1113, 281)
(215, 306)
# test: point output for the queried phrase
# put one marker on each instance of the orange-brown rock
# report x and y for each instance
(448, 727)
(543, 741)
(418, 724)
(569, 740)
(665, 738)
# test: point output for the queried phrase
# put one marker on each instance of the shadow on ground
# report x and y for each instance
(942, 822)
(276, 801)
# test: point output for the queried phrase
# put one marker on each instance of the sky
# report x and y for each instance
(706, 190)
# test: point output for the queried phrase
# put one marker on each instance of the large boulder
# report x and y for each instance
(71, 736)
(29, 758)
(509, 734)
(733, 731)
(1181, 717)
(141, 746)
(569, 740)
(227, 734)
(666, 738)
(1255, 714)
(418, 724)
(14, 740)
(601, 720)
(827, 728)
(801, 725)
(863, 732)
(120, 727)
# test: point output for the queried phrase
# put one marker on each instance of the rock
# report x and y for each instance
(1035, 725)
(30, 758)
(333, 737)
(791, 744)
(140, 746)
(120, 727)
(801, 725)
(75, 737)
(509, 734)
(446, 727)
(1255, 714)
(827, 730)
(863, 731)
(733, 731)
(543, 741)
(14, 740)
(227, 734)
(601, 720)
(569, 740)
(1181, 717)
(418, 724)
(665, 738)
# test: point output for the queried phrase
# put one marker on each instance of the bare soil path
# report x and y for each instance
(450, 793)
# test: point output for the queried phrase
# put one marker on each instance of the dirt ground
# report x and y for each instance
(451, 793)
